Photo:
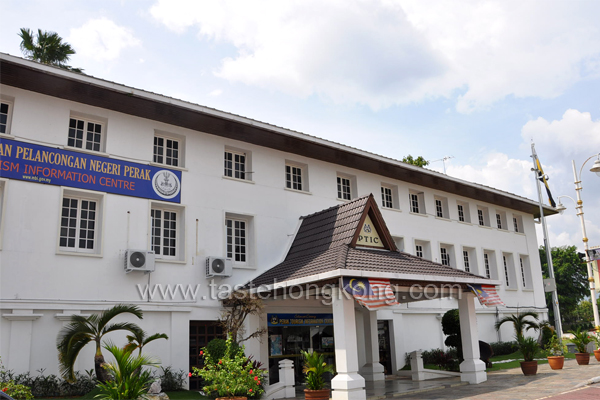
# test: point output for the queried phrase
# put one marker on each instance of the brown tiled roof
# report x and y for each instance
(323, 244)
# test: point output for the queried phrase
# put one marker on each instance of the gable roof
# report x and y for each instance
(326, 241)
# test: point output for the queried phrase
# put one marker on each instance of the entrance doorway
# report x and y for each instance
(385, 348)
(201, 332)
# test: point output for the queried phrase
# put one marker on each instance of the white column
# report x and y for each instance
(286, 375)
(372, 370)
(347, 384)
(472, 368)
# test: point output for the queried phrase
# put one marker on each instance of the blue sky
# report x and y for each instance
(475, 80)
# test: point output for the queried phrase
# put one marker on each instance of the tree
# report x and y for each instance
(419, 161)
(46, 47)
(73, 337)
(570, 272)
(237, 307)
(138, 340)
(520, 322)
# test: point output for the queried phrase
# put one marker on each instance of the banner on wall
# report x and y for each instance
(299, 319)
(47, 165)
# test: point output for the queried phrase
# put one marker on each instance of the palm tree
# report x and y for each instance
(138, 340)
(520, 322)
(46, 47)
(73, 337)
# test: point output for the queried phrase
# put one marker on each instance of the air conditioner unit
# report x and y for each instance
(139, 260)
(218, 266)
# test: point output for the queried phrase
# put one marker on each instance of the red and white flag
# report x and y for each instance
(371, 293)
(487, 295)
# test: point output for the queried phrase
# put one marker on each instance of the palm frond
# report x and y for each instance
(117, 326)
(112, 312)
(154, 337)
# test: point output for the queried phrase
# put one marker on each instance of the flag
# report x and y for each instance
(370, 293)
(487, 295)
(543, 179)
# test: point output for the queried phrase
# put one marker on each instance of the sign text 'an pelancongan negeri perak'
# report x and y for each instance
(42, 164)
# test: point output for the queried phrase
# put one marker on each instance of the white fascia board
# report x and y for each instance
(211, 111)
(369, 274)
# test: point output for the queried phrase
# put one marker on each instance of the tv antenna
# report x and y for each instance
(443, 160)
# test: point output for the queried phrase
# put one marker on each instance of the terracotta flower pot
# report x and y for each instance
(232, 398)
(529, 367)
(582, 358)
(597, 354)
(556, 362)
(322, 394)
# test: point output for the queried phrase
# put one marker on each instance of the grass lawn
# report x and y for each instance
(516, 356)
(179, 395)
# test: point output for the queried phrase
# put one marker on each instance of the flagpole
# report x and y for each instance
(555, 307)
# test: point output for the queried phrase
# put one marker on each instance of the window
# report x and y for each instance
(447, 255)
(296, 176)
(235, 165)
(441, 207)
(483, 216)
(419, 250)
(518, 223)
(386, 197)
(168, 150)
(463, 212)
(510, 276)
(423, 249)
(501, 220)
(167, 231)
(489, 264)
(238, 237)
(525, 271)
(417, 202)
(466, 261)
(486, 263)
(444, 256)
(85, 134)
(5, 116)
(164, 232)
(346, 187)
(80, 222)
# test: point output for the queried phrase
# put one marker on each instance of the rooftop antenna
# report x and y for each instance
(443, 160)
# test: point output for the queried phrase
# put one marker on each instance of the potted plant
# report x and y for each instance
(314, 369)
(528, 346)
(580, 340)
(596, 338)
(555, 351)
(232, 376)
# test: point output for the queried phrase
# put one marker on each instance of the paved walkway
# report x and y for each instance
(511, 384)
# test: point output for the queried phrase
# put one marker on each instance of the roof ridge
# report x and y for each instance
(336, 206)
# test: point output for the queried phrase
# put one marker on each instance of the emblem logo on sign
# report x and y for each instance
(367, 228)
(166, 184)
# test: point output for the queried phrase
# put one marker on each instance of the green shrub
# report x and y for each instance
(130, 381)
(171, 381)
(16, 391)
(216, 348)
(504, 348)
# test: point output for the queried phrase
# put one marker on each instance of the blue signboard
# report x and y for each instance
(299, 319)
(42, 164)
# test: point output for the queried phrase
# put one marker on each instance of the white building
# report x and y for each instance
(90, 169)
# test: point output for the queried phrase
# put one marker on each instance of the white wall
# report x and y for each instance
(35, 277)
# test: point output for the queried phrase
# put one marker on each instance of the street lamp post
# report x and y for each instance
(579, 211)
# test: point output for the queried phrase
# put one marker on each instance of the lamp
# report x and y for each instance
(579, 211)
(596, 167)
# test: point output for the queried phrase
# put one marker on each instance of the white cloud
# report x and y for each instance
(101, 39)
(574, 137)
(216, 92)
(389, 52)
